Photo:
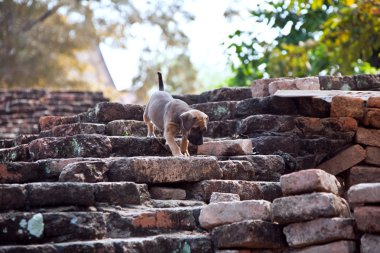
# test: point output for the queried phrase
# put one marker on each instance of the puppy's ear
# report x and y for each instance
(187, 120)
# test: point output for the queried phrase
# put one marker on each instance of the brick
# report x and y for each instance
(142, 146)
(364, 193)
(344, 106)
(52, 168)
(237, 170)
(372, 117)
(373, 155)
(27, 228)
(72, 146)
(127, 128)
(167, 193)
(319, 231)
(48, 122)
(363, 174)
(226, 148)
(373, 102)
(306, 83)
(164, 169)
(216, 214)
(249, 234)
(223, 197)
(219, 129)
(18, 153)
(74, 129)
(333, 247)
(307, 181)
(256, 124)
(245, 189)
(226, 94)
(107, 111)
(370, 137)
(368, 218)
(121, 193)
(217, 111)
(370, 243)
(308, 207)
(344, 160)
(260, 87)
(87, 171)
(12, 196)
(266, 167)
(20, 172)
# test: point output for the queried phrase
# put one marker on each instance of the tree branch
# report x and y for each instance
(29, 25)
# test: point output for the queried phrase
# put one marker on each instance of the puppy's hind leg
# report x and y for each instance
(149, 125)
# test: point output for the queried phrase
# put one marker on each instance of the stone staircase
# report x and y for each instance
(93, 182)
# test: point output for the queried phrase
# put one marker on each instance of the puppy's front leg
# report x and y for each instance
(169, 133)
(185, 145)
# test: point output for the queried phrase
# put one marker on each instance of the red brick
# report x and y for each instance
(373, 102)
(372, 117)
(368, 218)
(370, 137)
(344, 106)
(373, 155)
(363, 174)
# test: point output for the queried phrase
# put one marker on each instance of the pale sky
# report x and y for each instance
(207, 33)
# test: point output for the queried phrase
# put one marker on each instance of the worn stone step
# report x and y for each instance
(74, 129)
(307, 207)
(226, 148)
(245, 189)
(249, 234)
(164, 169)
(17, 153)
(25, 196)
(260, 167)
(368, 218)
(174, 242)
(333, 247)
(363, 174)
(364, 193)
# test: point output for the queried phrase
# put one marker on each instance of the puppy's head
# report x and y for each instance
(194, 123)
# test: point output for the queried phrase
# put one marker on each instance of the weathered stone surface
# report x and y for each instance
(344, 106)
(139, 146)
(373, 102)
(364, 193)
(306, 83)
(167, 193)
(48, 122)
(367, 82)
(164, 169)
(91, 172)
(363, 174)
(257, 124)
(373, 155)
(223, 197)
(216, 214)
(56, 194)
(337, 83)
(26, 228)
(121, 193)
(20, 172)
(225, 128)
(74, 129)
(319, 231)
(333, 247)
(368, 218)
(226, 94)
(13, 196)
(127, 128)
(266, 105)
(72, 146)
(370, 243)
(259, 87)
(249, 234)
(18, 153)
(344, 160)
(52, 168)
(226, 148)
(237, 170)
(107, 111)
(372, 117)
(266, 167)
(307, 181)
(217, 111)
(367, 136)
(245, 189)
(308, 207)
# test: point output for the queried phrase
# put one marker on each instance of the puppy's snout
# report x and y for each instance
(196, 136)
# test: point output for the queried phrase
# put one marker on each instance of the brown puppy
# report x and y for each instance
(173, 116)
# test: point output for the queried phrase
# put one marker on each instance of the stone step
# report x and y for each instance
(174, 242)
(245, 189)
(74, 129)
(26, 196)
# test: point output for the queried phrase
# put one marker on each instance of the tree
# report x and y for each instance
(40, 39)
(322, 37)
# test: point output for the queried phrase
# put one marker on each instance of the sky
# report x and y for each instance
(207, 33)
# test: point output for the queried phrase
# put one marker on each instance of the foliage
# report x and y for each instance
(40, 40)
(313, 37)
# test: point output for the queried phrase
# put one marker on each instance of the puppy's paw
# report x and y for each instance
(151, 135)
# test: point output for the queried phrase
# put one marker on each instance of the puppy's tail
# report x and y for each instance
(160, 82)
